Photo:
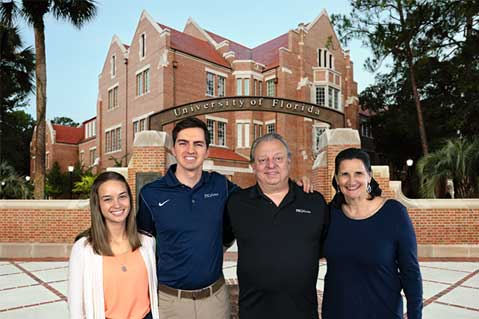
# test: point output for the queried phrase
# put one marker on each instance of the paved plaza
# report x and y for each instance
(34, 289)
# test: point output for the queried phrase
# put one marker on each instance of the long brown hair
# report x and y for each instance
(98, 234)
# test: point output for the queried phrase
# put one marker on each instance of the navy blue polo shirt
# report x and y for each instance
(188, 226)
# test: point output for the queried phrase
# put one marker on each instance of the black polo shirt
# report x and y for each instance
(278, 251)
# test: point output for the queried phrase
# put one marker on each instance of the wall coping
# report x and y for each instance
(429, 203)
(339, 136)
(152, 138)
(35, 204)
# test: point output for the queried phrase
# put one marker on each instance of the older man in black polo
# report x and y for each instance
(279, 231)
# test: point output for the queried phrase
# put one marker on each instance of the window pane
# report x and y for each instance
(270, 87)
(221, 133)
(239, 86)
(147, 80)
(221, 86)
(320, 95)
(246, 86)
(211, 130)
(210, 84)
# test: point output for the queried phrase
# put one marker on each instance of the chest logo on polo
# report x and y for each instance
(161, 204)
(211, 195)
(302, 211)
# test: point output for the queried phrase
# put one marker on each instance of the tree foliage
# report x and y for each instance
(33, 12)
(12, 185)
(16, 78)
(17, 136)
(458, 160)
(63, 120)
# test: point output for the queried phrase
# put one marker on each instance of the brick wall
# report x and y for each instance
(20, 222)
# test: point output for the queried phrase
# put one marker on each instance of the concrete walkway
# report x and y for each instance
(35, 290)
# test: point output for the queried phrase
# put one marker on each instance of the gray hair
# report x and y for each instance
(265, 138)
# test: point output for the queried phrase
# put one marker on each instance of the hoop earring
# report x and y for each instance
(368, 188)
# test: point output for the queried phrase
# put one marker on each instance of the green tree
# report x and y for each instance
(17, 136)
(458, 160)
(56, 182)
(83, 187)
(391, 29)
(12, 185)
(33, 12)
(16, 77)
(63, 120)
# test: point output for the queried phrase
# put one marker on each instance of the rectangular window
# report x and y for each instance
(336, 98)
(143, 82)
(82, 158)
(258, 131)
(92, 156)
(239, 86)
(113, 98)
(142, 45)
(221, 134)
(139, 125)
(211, 130)
(260, 89)
(113, 65)
(221, 85)
(113, 140)
(239, 134)
(270, 87)
(246, 86)
(319, 57)
(210, 84)
(330, 97)
(255, 84)
(270, 128)
(320, 95)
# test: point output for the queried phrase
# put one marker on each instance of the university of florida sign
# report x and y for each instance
(247, 103)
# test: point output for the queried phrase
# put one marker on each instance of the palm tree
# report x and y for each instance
(33, 12)
(16, 74)
(457, 160)
(12, 186)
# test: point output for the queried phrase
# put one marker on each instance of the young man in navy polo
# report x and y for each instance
(184, 211)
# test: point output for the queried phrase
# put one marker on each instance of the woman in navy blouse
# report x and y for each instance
(371, 248)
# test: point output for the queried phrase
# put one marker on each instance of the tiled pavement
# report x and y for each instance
(35, 290)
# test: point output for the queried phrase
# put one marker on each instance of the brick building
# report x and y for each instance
(163, 67)
(68, 145)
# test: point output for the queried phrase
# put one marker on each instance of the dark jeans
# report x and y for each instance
(148, 316)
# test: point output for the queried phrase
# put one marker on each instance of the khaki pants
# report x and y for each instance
(217, 306)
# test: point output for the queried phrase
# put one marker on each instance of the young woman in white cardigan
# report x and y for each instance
(112, 272)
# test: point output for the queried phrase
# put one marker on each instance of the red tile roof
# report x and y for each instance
(188, 44)
(266, 53)
(241, 52)
(68, 134)
(226, 154)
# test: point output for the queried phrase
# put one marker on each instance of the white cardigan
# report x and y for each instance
(85, 280)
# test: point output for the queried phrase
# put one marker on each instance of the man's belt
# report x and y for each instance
(193, 294)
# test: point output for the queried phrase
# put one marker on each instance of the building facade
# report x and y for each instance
(162, 68)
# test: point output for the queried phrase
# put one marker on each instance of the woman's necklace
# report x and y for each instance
(122, 264)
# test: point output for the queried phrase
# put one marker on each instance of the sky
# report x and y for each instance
(75, 57)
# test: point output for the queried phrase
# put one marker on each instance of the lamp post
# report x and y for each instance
(70, 171)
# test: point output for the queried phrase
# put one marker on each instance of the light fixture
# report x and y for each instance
(409, 162)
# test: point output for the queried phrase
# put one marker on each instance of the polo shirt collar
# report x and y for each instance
(172, 180)
(256, 192)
